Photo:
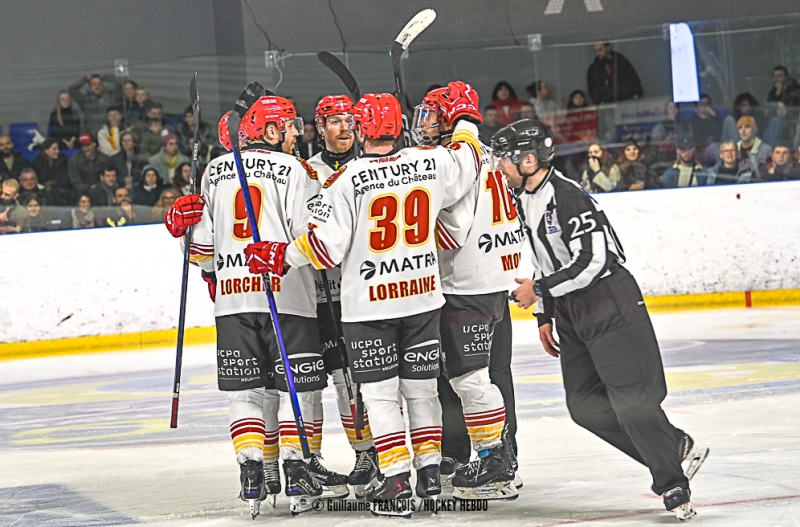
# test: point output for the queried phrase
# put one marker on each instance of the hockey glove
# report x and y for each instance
(266, 257)
(461, 101)
(185, 212)
(211, 280)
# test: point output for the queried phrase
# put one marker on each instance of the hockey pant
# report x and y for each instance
(388, 427)
(254, 424)
(349, 425)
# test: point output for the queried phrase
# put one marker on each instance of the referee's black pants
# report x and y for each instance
(455, 440)
(614, 377)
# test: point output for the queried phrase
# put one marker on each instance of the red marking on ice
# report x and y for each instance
(748, 299)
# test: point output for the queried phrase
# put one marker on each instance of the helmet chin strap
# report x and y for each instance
(525, 176)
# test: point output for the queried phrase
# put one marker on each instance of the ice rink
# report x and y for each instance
(85, 439)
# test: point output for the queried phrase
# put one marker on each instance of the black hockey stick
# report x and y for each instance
(176, 384)
(248, 97)
(415, 26)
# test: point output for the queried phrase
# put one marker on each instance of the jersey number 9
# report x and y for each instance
(242, 230)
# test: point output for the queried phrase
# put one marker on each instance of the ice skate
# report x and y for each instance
(364, 472)
(447, 469)
(272, 481)
(487, 478)
(252, 479)
(334, 485)
(428, 482)
(678, 502)
(692, 456)
(301, 487)
(514, 466)
(391, 497)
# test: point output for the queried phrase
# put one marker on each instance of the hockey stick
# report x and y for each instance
(176, 384)
(248, 97)
(415, 26)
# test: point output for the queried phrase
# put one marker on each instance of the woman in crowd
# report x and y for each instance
(635, 175)
(744, 104)
(167, 199)
(82, 215)
(129, 161)
(601, 173)
(51, 166)
(65, 121)
(504, 98)
(540, 98)
(577, 100)
(108, 136)
(40, 219)
(182, 174)
(661, 156)
(147, 191)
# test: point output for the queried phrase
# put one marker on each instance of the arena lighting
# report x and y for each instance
(684, 65)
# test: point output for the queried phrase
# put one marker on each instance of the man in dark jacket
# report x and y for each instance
(102, 192)
(611, 78)
(85, 166)
(103, 91)
(781, 167)
(11, 163)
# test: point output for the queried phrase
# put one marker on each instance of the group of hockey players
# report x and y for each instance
(417, 248)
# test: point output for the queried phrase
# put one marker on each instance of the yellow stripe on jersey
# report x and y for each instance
(302, 245)
(468, 136)
(392, 456)
(199, 258)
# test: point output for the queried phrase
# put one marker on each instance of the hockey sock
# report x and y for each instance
(289, 439)
(484, 411)
(271, 404)
(343, 402)
(388, 427)
(246, 413)
(314, 423)
(425, 417)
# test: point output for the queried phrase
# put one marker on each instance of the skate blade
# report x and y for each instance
(255, 508)
(517, 481)
(429, 504)
(694, 461)
(501, 490)
(301, 504)
(271, 499)
(361, 491)
(447, 482)
(336, 492)
(684, 512)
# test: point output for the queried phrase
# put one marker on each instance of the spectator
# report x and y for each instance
(83, 215)
(633, 174)
(144, 102)
(540, 98)
(611, 78)
(706, 126)
(491, 124)
(13, 217)
(167, 199)
(147, 191)
(12, 163)
(108, 136)
(577, 100)
(128, 160)
(52, 167)
(782, 166)
(132, 109)
(102, 192)
(185, 131)
(744, 104)
(153, 137)
(181, 182)
(752, 150)
(29, 186)
(780, 128)
(527, 111)
(85, 166)
(601, 173)
(661, 155)
(728, 170)
(154, 111)
(96, 99)
(784, 88)
(40, 218)
(670, 123)
(308, 144)
(122, 212)
(504, 98)
(65, 122)
(687, 171)
(168, 159)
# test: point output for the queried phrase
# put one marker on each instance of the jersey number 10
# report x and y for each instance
(495, 185)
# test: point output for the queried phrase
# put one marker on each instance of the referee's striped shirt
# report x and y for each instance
(573, 243)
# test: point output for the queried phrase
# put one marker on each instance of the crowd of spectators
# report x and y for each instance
(112, 157)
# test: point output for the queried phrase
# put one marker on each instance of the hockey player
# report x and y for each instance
(476, 278)
(333, 119)
(611, 364)
(247, 351)
(376, 216)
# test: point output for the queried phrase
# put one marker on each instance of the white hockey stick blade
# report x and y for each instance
(415, 26)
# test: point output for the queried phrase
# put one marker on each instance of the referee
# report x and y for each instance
(610, 360)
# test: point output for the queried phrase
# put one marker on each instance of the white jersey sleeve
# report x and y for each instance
(202, 246)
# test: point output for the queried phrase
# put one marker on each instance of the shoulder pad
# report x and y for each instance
(311, 172)
(334, 177)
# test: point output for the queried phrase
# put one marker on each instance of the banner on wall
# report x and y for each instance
(572, 130)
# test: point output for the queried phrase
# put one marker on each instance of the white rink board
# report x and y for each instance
(109, 281)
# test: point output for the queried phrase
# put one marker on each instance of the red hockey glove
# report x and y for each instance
(211, 280)
(185, 212)
(461, 100)
(266, 257)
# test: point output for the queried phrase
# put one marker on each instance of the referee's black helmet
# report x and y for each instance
(526, 136)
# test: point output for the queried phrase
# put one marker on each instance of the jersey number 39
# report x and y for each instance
(416, 218)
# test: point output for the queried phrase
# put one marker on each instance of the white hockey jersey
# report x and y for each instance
(335, 273)
(377, 216)
(484, 224)
(282, 188)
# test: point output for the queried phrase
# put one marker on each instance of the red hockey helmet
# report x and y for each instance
(332, 105)
(269, 109)
(379, 115)
(289, 113)
(224, 136)
(427, 116)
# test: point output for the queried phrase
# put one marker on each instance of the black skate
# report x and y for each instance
(391, 497)
(513, 457)
(364, 472)
(486, 478)
(678, 502)
(252, 479)
(447, 469)
(272, 481)
(301, 487)
(692, 456)
(428, 483)
(334, 485)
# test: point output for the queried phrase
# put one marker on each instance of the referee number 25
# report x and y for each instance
(582, 224)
